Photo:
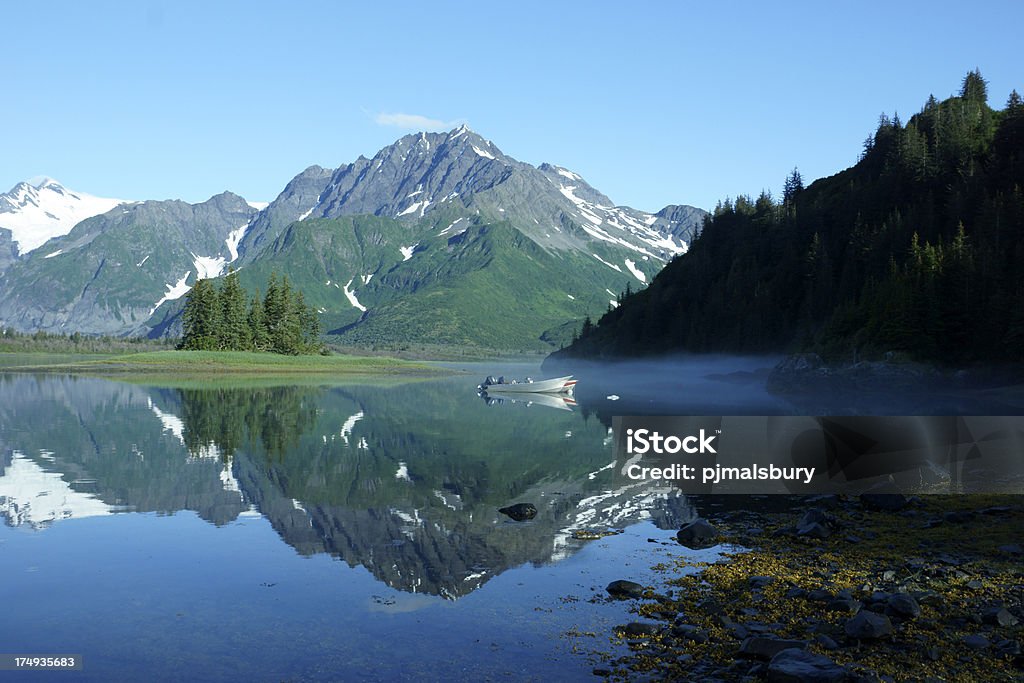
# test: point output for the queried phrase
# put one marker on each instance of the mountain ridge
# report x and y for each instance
(432, 197)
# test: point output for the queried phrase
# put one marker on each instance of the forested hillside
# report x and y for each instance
(917, 248)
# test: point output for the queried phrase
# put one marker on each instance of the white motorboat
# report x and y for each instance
(558, 385)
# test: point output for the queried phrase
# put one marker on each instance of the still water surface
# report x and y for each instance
(306, 532)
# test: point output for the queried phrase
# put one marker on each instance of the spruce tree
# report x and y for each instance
(235, 334)
(201, 318)
(310, 327)
(258, 325)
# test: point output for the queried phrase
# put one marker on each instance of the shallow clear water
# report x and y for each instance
(298, 532)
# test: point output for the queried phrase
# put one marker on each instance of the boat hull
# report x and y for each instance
(559, 385)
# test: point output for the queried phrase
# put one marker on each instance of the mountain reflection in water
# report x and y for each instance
(404, 480)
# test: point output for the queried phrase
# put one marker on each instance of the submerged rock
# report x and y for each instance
(520, 512)
(636, 629)
(625, 590)
(698, 534)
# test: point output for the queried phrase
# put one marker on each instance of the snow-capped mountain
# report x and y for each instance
(42, 208)
(429, 177)
(439, 238)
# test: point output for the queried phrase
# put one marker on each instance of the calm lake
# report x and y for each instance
(270, 532)
(309, 532)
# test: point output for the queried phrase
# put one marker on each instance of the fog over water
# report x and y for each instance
(736, 385)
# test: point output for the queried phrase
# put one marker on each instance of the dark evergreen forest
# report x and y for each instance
(226, 319)
(916, 249)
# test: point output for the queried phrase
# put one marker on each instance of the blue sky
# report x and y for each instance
(658, 103)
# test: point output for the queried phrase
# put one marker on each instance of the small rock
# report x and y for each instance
(520, 512)
(697, 534)
(800, 666)
(638, 629)
(819, 595)
(814, 530)
(1000, 617)
(976, 641)
(868, 626)
(928, 597)
(825, 642)
(602, 672)
(625, 590)
(850, 606)
(760, 581)
(974, 584)
(760, 647)
(738, 631)
(958, 516)
(903, 606)
(795, 592)
(815, 516)
(888, 575)
(883, 502)
(690, 632)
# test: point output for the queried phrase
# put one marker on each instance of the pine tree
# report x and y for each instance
(235, 334)
(793, 186)
(286, 337)
(974, 87)
(201, 318)
(311, 329)
(258, 325)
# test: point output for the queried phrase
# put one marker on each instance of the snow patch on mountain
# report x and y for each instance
(175, 291)
(208, 267)
(234, 237)
(610, 265)
(480, 152)
(408, 251)
(42, 209)
(420, 207)
(637, 273)
(351, 296)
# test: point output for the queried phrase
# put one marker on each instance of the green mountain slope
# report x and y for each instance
(111, 272)
(916, 248)
(486, 285)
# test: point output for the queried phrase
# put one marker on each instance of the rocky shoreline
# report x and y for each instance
(857, 589)
(810, 373)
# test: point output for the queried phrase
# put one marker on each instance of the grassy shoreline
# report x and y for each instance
(220, 363)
